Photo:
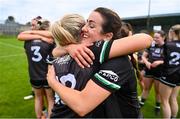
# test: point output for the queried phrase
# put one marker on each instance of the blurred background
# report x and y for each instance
(15, 15)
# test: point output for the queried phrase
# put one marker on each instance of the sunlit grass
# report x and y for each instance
(14, 83)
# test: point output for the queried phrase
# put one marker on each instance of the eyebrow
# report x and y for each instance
(91, 21)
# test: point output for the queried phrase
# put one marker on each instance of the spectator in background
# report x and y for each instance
(170, 81)
(38, 50)
(153, 59)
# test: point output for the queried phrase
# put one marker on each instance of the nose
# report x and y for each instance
(84, 28)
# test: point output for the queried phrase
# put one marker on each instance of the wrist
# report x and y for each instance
(66, 49)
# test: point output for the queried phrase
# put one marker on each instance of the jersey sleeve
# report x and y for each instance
(101, 50)
(50, 58)
(114, 74)
(107, 77)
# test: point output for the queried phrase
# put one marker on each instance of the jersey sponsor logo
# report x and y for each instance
(156, 55)
(109, 74)
(106, 82)
(63, 60)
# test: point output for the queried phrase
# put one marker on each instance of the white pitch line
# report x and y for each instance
(7, 56)
(11, 45)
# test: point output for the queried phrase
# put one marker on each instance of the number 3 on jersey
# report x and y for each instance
(37, 56)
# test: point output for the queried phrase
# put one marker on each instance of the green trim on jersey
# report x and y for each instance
(102, 54)
(106, 82)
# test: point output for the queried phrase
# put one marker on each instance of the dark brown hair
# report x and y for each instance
(112, 22)
(125, 29)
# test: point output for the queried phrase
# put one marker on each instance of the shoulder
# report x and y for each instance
(101, 49)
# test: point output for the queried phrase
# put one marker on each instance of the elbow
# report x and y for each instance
(149, 39)
(81, 109)
(19, 37)
(81, 112)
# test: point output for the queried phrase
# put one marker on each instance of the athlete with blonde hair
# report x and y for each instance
(170, 82)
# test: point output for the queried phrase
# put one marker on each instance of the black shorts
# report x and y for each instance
(155, 73)
(172, 80)
(39, 84)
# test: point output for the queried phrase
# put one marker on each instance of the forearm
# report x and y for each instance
(159, 62)
(70, 97)
(82, 102)
(25, 37)
(130, 44)
(42, 33)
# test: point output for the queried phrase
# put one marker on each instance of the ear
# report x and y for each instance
(109, 35)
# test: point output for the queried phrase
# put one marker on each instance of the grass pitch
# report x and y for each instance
(14, 83)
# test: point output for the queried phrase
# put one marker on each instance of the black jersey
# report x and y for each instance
(38, 53)
(118, 76)
(155, 52)
(122, 82)
(172, 57)
(71, 75)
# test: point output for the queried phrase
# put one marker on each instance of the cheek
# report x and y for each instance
(97, 37)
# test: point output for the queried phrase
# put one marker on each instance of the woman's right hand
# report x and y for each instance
(81, 54)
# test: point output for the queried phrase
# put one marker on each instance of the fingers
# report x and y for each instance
(90, 53)
(82, 59)
(82, 55)
(50, 71)
(85, 57)
(78, 62)
(87, 60)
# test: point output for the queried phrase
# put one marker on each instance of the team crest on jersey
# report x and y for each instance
(63, 60)
(109, 75)
(98, 43)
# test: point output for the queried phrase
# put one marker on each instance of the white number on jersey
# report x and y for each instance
(175, 60)
(37, 56)
(64, 79)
